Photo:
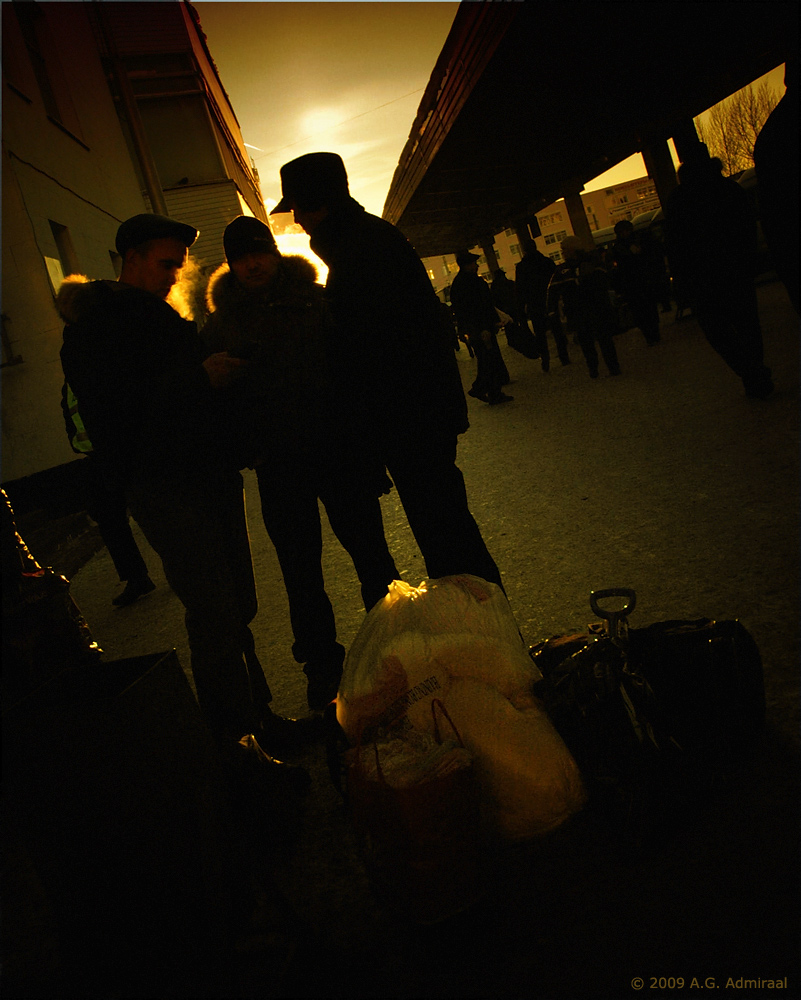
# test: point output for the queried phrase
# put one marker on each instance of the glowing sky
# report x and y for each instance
(346, 77)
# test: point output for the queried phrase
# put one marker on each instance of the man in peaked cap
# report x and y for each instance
(396, 365)
(148, 399)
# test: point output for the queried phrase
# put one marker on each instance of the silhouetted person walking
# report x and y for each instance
(636, 265)
(397, 367)
(474, 309)
(532, 277)
(582, 286)
(711, 242)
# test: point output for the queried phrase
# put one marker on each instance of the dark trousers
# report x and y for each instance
(200, 532)
(598, 329)
(292, 519)
(730, 321)
(540, 325)
(108, 507)
(491, 371)
(644, 306)
(432, 490)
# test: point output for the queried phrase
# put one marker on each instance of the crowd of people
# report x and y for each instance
(708, 260)
(339, 395)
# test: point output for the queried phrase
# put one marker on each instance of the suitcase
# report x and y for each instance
(654, 716)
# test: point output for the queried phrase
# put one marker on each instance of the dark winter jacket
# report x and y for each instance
(504, 294)
(473, 306)
(395, 355)
(532, 274)
(638, 266)
(287, 410)
(582, 285)
(710, 233)
(279, 410)
(135, 367)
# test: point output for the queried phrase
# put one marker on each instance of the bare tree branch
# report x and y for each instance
(732, 126)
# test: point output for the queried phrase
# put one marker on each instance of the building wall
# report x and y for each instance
(71, 175)
(67, 184)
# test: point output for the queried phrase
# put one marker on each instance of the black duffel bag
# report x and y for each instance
(653, 716)
(520, 338)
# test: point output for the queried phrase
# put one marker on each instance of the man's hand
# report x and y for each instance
(222, 369)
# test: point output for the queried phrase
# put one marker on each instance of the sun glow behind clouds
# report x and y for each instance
(321, 120)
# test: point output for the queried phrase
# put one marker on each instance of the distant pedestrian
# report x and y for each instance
(106, 504)
(476, 317)
(532, 277)
(711, 241)
(637, 264)
(581, 284)
(289, 422)
(397, 368)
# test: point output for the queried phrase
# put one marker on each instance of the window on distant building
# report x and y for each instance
(557, 256)
(561, 235)
(497, 254)
(510, 232)
(550, 238)
(514, 249)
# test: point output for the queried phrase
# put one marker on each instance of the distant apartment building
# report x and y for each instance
(109, 109)
(604, 208)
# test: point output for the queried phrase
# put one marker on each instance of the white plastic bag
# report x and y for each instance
(414, 643)
(528, 779)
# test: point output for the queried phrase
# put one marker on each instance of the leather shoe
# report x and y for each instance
(250, 772)
(280, 736)
(134, 589)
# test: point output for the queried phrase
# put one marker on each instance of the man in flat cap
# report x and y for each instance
(294, 429)
(397, 368)
(148, 395)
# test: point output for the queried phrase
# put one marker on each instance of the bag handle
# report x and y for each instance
(436, 703)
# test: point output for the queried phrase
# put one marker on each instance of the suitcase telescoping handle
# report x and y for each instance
(613, 618)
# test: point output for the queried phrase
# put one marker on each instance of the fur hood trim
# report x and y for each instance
(77, 293)
(299, 275)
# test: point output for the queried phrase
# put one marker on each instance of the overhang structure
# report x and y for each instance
(530, 101)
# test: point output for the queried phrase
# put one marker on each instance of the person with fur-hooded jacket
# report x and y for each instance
(147, 391)
(285, 419)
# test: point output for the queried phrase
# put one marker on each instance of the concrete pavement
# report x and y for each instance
(668, 480)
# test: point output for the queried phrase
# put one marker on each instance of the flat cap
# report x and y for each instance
(245, 235)
(465, 257)
(312, 181)
(141, 228)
